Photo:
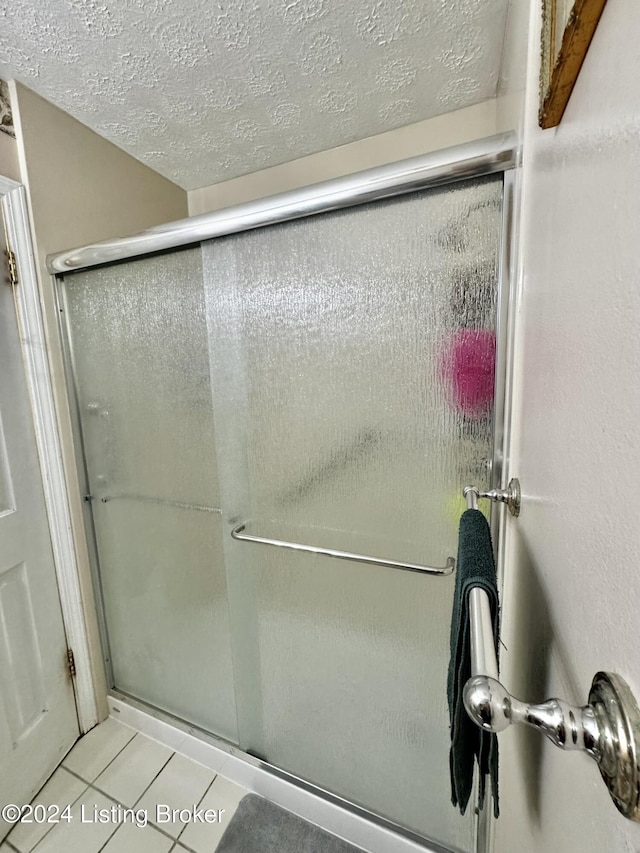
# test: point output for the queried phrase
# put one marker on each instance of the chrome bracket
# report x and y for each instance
(607, 729)
(511, 496)
(618, 717)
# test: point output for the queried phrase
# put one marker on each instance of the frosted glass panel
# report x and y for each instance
(141, 359)
(347, 362)
(167, 610)
(352, 360)
(142, 366)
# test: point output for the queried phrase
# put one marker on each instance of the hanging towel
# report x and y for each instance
(475, 567)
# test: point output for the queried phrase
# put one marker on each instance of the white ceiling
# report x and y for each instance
(206, 90)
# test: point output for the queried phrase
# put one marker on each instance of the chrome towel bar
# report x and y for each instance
(607, 729)
(151, 499)
(237, 533)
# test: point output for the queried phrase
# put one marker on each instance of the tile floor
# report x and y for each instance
(119, 776)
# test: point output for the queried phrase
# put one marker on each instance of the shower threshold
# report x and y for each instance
(346, 820)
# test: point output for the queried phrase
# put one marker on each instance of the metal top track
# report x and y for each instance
(483, 157)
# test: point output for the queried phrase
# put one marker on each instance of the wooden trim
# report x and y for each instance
(575, 44)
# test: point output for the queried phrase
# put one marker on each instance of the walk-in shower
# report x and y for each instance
(329, 381)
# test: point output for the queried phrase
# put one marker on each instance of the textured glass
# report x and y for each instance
(139, 340)
(352, 361)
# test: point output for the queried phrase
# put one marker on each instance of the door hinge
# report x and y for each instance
(13, 267)
(71, 663)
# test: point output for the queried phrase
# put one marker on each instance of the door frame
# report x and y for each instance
(75, 599)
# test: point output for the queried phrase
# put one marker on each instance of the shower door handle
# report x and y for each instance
(237, 533)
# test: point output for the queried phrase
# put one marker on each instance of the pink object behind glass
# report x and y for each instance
(468, 368)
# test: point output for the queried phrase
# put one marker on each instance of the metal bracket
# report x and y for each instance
(607, 729)
(12, 267)
(618, 716)
(511, 496)
(71, 663)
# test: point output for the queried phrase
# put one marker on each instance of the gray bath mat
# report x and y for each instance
(260, 827)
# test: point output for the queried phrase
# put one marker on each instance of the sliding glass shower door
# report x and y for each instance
(329, 382)
(138, 341)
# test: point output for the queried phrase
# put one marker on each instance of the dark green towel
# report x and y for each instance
(475, 567)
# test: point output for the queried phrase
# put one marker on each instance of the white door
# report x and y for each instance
(38, 721)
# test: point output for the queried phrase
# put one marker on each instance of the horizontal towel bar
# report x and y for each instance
(483, 650)
(150, 499)
(237, 533)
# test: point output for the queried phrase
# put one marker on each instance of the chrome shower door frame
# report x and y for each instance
(498, 154)
(471, 160)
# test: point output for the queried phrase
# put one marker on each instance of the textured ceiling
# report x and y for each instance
(206, 90)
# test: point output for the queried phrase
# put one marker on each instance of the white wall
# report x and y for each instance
(423, 137)
(572, 594)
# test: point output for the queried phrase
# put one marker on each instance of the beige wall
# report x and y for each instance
(81, 189)
(433, 134)
(572, 582)
(9, 166)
